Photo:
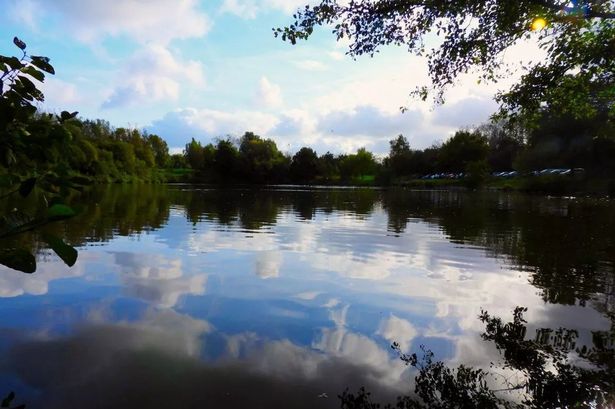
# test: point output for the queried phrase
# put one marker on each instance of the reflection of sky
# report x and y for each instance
(300, 301)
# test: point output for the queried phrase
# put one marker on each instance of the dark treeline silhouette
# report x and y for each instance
(102, 153)
(470, 155)
(253, 159)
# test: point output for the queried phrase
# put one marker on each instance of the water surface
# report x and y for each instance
(192, 297)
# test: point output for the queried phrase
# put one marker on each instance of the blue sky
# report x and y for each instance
(207, 69)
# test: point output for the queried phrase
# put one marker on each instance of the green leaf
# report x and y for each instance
(19, 43)
(26, 187)
(21, 260)
(67, 253)
(60, 212)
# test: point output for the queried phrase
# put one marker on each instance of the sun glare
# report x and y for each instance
(538, 24)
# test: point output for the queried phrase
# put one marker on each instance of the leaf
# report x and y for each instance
(43, 64)
(7, 401)
(26, 187)
(65, 115)
(14, 222)
(60, 212)
(21, 260)
(19, 43)
(34, 73)
(67, 253)
(12, 62)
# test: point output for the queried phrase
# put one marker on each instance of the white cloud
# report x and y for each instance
(370, 121)
(268, 94)
(310, 65)
(395, 329)
(268, 264)
(60, 94)
(336, 55)
(154, 74)
(295, 123)
(308, 295)
(25, 12)
(157, 279)
(15, 283)
(249, 9)
(179, 126)
(465, 112)
(152, 20)
(245, 9)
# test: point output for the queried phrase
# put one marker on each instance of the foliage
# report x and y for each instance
(577, 77)
(477, 173)
(460, 150)
(31, 147)
(304, 165)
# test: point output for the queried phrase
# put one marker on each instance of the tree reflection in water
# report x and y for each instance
(549, 371)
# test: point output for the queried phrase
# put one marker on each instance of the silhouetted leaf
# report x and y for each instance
(65, 115)
(26, 186)
(67, 253)
(19, 43)
(43, 64)
(34, 73)
(7, 401)
(18, 259)
(12, 62)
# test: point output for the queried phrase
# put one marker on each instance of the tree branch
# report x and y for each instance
(588, 14)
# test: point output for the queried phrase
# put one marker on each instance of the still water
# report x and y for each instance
(194, 297)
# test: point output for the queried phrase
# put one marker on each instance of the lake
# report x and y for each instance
(188, 296)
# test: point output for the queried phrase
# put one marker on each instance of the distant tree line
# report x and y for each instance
(557, 142)
(102, 153)
(253, 159)
(52, 150)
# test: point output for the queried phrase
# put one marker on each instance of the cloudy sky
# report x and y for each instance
(211, 68)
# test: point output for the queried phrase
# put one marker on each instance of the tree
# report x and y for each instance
(505, 143)
(576, 77)
(365, 162)
(304, 166)
(400, 156)
(160, 148)
(260, 158)
(194, 154)
(226, 159)
(329, 166)
(460, 150)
